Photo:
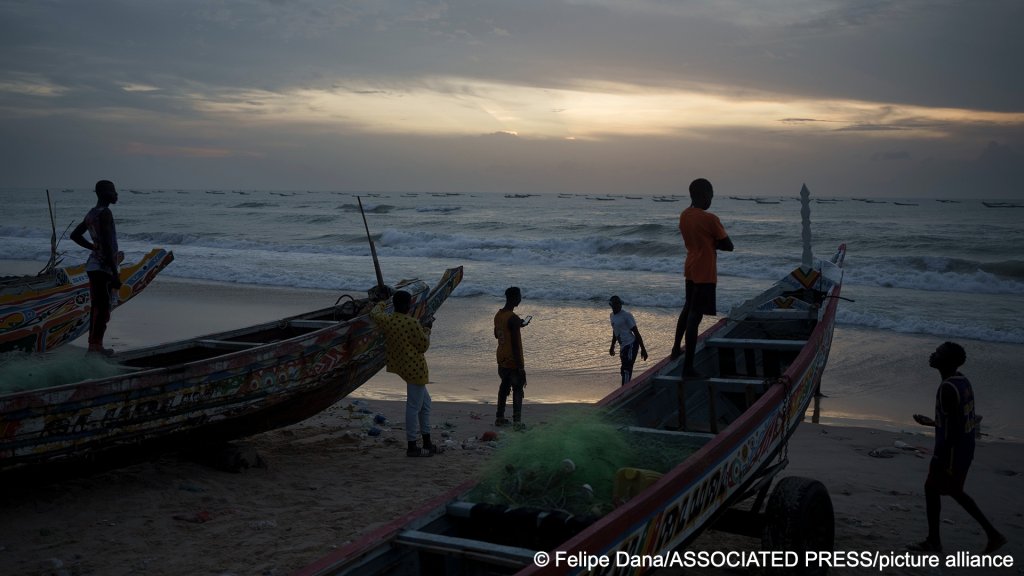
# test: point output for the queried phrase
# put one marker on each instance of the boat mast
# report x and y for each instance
(807, 262)
(373, 252)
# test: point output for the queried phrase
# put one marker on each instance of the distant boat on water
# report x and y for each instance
(905, 203)
(948, 201)
(766, 201)
(665, 199)
(1002, 205)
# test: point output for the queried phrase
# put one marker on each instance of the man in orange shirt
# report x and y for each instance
(511, 368)
(703, 235)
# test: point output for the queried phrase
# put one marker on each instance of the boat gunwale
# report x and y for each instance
(147, 373)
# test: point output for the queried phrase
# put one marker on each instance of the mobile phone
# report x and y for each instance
(527, 320)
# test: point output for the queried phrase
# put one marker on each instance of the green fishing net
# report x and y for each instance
(20, 371)
(569, 464)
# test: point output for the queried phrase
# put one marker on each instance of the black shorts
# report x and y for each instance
(700, 298)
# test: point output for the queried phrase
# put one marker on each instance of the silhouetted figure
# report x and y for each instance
(703, 235)
(511, 368)
(103, 264)
(954, 448)
(625, 332)
(405, 344)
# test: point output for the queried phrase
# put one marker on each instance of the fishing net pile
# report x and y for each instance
(20, 371)
(570, 463)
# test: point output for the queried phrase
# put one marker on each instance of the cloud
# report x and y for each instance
(604, 93)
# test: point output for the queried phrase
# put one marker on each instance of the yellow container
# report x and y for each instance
(631, 481)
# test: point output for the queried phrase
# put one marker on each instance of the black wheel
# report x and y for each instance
(799, 518)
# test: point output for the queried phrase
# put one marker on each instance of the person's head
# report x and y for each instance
(402, 301)
(105, 192)
(616, 303)
(701, 193)
(948, 357)
(513, 296)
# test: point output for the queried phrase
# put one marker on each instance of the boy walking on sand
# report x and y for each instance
(703, 235)
(954, 448)
(625, 332)
(405, 342)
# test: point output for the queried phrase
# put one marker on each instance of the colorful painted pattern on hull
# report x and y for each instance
(40, 314)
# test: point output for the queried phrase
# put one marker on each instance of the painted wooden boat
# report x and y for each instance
(40, 313)
(764, 364)
(208, 389)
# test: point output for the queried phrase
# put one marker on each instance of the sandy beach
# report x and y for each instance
(326, 481)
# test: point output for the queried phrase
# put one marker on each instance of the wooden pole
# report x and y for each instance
(373, 249)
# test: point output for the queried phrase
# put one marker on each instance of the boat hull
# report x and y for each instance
(40, 314)
(203, 392)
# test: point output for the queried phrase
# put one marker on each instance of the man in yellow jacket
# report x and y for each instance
(406, 341)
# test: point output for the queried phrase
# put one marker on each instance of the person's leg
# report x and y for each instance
(692, 325)
(503, 390)
(681, 321)
(627, 356)
(413, 404)
(518, 384)
(680, 330)
(933, 486)
(99, 309)
(424, 417)
(995, 538)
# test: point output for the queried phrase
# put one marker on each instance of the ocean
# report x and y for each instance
(949, 269)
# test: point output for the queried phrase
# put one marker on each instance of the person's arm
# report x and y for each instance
(515, 325)
(421, 338)
(611, 350)
(924, 420)
(725, 244)
(107, 243)
(78, 236)
(640, 340)
(951, 425)
(377, 312)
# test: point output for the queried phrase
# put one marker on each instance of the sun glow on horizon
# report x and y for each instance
(460, 107)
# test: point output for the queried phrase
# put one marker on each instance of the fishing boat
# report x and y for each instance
(41, 312)
(762, 367)
(209, 389)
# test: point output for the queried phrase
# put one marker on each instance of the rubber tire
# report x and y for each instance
(799, 518)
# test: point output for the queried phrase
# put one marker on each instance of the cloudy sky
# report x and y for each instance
(865, 97)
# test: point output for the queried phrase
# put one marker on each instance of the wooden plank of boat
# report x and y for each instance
(40, 313)
(214, 388)
(752, 407)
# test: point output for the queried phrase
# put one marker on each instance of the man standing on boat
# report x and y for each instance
(102, 266)
(405, 343)
(703, 235)
(625, 332)
(511, 368)
(954, 448)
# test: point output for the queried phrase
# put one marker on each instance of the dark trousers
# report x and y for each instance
(99, 311)
(512, 381)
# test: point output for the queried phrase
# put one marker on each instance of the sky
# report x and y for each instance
(864, 98)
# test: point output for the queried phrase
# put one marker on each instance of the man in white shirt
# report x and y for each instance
(625, 332)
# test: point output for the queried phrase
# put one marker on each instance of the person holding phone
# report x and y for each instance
(511, 368)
